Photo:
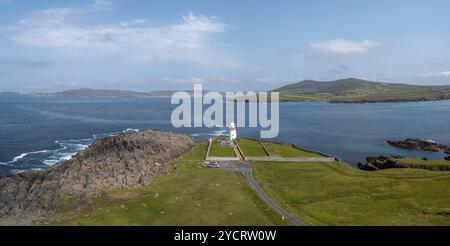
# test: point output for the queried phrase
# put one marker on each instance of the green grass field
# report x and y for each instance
(415, 161)
(189, 194)
(218, 150)
(316, 193)
(251, 147)
(284, 150)
(337, 194)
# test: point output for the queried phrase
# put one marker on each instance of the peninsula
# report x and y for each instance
(354, 90)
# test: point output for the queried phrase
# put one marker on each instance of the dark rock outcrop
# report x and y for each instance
(367, 167)
(380, 162)
(386, 162)
(417, 144)
(122, 162)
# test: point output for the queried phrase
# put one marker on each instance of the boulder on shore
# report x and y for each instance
(124, 161)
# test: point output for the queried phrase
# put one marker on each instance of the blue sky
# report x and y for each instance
(248, 45)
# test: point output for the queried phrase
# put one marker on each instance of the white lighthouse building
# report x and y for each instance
(233, 133)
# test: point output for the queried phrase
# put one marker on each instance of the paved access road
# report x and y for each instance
(246, 169)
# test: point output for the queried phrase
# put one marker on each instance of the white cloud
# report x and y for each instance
(209, 80)
(265, 80)
(445, 74)
(133, 22)
(189, 40)
(102, 4)
(25, 63)
(185, 81)
(344, 46)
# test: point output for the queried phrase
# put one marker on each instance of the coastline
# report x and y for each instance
(366, 101)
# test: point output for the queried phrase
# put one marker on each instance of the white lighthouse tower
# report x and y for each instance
(233, 133)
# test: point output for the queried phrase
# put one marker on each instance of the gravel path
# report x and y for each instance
(246, 169)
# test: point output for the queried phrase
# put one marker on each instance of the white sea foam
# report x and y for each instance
(68, 148)
(16, 171)
(50, 162)
(23, 155)
(214, 133)
(130, 130)
(218, 133)
(105, 135)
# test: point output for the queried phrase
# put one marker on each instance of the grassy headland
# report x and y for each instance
(426, 164)
(337, 194)
(189, 194)
(316, 193)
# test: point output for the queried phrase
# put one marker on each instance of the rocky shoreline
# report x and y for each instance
(387, 162)
(420, 144)
(399, 100)
(122, 162)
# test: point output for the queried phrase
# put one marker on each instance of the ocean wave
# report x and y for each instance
(212, 134)
(22, 156)
(45, 158)
(130, 130)
(219, 132)
(112, 134)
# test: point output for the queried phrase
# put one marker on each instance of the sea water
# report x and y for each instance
(38, 132)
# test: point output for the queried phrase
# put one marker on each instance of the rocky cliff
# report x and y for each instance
(123, 161)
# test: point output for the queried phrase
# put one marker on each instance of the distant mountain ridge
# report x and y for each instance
(354, 90)
(11, 93)
(86, 92)
(349, 90)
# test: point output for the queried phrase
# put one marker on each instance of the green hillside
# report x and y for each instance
(357, 90)
(86, 92)
(337, 194)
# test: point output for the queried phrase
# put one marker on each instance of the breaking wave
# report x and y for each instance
(212, 134)
(41, 159)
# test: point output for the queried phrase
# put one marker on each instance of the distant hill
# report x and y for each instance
(9, 93)
(111, 93)
(168, 93)
(94, 93)
(338, 91)
(359, 91)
